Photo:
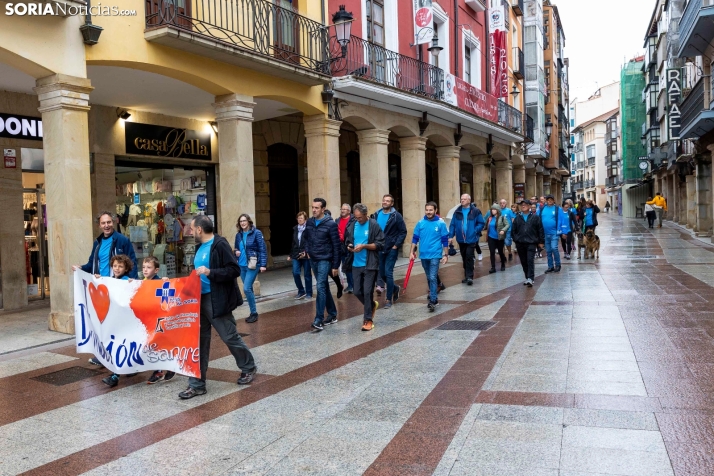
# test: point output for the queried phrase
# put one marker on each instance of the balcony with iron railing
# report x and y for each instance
(366, 60)
(517, 6)
(589, 183)
(695, 28)
(578, 147)
(697, 116)
(255, 34)
(591, 161)
(611, 135)
(563, 162)
(580, 165)
(579, 185)
(510, 117)
(519, 68)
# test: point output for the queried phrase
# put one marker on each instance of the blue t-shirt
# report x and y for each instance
(492, 231)
(361, 238)
(508, 213)
(525, 216)
(588, 217)
(382, 219)
(465, 222)
(105, 249)
(317, 222)
(203, 258)
(242, 259)
(549, 218)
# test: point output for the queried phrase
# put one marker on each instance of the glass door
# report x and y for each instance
(36, 259)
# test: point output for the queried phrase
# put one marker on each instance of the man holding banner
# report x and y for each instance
(217, 267)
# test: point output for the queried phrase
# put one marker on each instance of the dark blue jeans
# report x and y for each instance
(350, 278)
(303, 265)
(386, 269)
(322, 269)
(431, 269)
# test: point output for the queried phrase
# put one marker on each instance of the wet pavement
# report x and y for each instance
(604, 368)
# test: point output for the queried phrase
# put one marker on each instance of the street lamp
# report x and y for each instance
(548, 128)
(435, 49)
(515, 92)
(343, 27)
(570, 149)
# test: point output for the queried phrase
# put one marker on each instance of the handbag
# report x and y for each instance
(252, 262)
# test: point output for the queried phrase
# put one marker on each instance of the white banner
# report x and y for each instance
(423, 21)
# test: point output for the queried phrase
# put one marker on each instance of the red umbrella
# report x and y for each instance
(409, 273)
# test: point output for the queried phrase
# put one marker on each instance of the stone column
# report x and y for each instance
(482, 181)
(236, 177)
(13, 287)
(504, 180)
(449, 178)
(691, 201)
(704, 197)
(539, 185)
(323, 160)
(103, 183)
(373, 166)
(530, 183)
(413, 151)
(672, 195)
(64, 104)
(682, 204)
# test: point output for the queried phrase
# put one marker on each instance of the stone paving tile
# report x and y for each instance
(32, 362)
(610, 419)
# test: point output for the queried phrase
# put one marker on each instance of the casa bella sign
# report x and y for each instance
(161, 141)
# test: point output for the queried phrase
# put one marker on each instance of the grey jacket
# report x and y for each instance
(375, 237)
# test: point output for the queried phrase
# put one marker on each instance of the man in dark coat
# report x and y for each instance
(528, 234)
(217, 267)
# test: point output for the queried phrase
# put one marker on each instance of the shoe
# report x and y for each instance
(440, 288)
(469, 282)
(387, 304)
(191, 392)
(300, 296)
(96, 362)
(168, 376)
(375, 305)
(339, 291)
(349, 291)
(317, 325)
(510, 257)
(395, 294)
(480, 257)
(525, 282)
(308, 297)
(367, 326)
(431, 306)
(557, 269)
(156, 377)
(567, 256)
(492, 270)
(247, 377)
(529, 283)
(549, 270)
(380, 290)
(503, 266)
(252, 318)
(463, 281)
(111, 381)
(330, 320)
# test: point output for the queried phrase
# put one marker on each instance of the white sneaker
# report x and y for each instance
(480, 257)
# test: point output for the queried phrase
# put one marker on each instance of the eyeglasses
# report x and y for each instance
(244, 221)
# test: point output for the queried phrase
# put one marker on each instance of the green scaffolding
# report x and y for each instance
(633, 115)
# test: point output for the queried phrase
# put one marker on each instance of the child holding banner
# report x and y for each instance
(121, 267)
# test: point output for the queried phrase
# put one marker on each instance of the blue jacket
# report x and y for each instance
(120, 246)
(474, 225)
(432, 237)
(395, 232)
(323, 241)
(254, 245)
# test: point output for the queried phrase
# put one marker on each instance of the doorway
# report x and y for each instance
(36, 259)
(395, 180)
(284, 196)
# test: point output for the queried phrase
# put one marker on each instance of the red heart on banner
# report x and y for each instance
(100, 299)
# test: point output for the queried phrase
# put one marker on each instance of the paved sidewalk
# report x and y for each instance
(604, 368)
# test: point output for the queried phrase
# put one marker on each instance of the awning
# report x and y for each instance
(641, 184)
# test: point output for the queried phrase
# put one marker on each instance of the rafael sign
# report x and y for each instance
(498, 56)
(461, 94)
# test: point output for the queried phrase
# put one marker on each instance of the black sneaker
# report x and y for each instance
(492, 270)
(111, 381)
(549, 270)
(156, 377)
(463, 281)
(395, 294)
(349, 291)
(503, 266)
(317, 325)
(530, 283)
(191, 392)
(300, 296)
(168, 376)
(431, 306)
(330, 320)
(510, 257)
(252, 318)
(96, 362)
(247, 377)
(340, 288)
(440, 288)
(469, 282)
(557, 269)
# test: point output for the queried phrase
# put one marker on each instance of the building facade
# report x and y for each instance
(181, 108)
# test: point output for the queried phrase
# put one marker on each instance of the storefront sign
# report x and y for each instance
(160, 141)
(463, 95)
(10, 158)
(423, 21)
(20, 127)
(498, 56)
(674, 95)
(519, 192)
(141, 325)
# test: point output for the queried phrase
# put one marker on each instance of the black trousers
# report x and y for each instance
(364, 288)
(494, 245)
(467, 256)
(567, 243)
(526, 253)
(226, 328)
(651, 217)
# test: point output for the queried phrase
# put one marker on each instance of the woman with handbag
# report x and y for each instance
(300, 260)
(252, 258)
(497, 226)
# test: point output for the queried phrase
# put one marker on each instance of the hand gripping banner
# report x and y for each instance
(140, 325)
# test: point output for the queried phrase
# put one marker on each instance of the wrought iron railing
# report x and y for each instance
(255, 25)
(693, 104)
(530, 128)
(564, 162)
(581, 165)
(376, 63)
(578, 185)
(509, 116)
(591, 161)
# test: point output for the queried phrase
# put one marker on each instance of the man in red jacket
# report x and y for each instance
(345, 219)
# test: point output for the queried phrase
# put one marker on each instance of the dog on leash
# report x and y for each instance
(592, 245)
(581, 243)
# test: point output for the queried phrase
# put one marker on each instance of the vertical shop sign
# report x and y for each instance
(498, 57)
(423, 21)
(10, 158)
(674, 96)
